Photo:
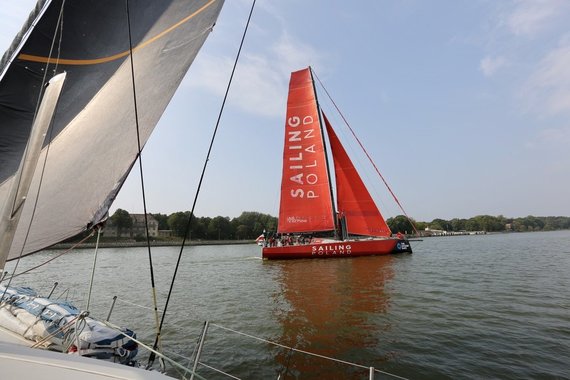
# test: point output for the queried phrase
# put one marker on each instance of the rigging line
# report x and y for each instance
(139, 156)
(367, 155)
(190, 217)
(42, 87)
(94, 265)
(53, 258)
(135, 304)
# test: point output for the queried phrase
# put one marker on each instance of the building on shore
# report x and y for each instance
(138, 228)
(430, 232)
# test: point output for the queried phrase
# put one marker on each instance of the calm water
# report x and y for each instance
(471, 307)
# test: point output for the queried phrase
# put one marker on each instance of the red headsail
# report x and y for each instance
(354, 200)
(306, 203)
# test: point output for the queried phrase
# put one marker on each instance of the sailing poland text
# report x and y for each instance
(331, 249)
(300, 145)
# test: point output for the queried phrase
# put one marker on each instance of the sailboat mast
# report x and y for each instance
(336, 227)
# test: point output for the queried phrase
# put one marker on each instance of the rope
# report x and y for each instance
(367, 155)
(190, 218)
(80, 325)
(137, 305)
(52, 259)
(139, 156)
(94, 265)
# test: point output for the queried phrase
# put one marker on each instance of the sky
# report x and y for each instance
(464, 105)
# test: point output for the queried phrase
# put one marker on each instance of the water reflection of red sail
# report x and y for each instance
(335, 309)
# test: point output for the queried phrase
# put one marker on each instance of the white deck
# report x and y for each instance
(19, 361)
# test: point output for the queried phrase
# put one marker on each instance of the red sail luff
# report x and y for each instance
(353, 199)
(306, 203)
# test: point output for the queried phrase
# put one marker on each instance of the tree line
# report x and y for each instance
(250, 224)
(485, 223)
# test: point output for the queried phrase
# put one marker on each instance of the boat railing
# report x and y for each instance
(371, 370)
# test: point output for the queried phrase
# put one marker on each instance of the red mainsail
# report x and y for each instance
(353, 199)
(306, 203)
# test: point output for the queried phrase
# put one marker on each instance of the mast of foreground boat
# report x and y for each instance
(23, 177)
(327, 164)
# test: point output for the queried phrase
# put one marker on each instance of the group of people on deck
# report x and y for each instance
(282, 240)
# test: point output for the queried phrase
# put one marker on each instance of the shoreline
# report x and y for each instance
(155, 243)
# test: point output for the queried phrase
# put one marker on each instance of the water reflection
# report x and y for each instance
(331, 308)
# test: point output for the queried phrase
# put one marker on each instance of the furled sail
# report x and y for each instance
(306, 203)
(93, 137)
(353, 199)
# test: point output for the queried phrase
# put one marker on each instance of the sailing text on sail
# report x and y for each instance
(301, 165)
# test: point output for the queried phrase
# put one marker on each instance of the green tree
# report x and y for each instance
(457, 224)
(122, 219)
(177, 222)
(242, 232)
(400, 223)
(162, 220)
(254, 223)
(489, 223)
(199, 228)
(473, 225)
(219, 228)
(440, 224)
(421, 226)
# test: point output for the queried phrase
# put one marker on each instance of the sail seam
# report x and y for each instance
(80, 62)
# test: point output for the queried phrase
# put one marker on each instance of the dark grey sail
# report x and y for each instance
(92, 142)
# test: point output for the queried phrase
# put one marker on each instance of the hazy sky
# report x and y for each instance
(464, 105)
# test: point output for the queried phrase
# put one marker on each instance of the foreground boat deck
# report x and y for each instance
(19, 361)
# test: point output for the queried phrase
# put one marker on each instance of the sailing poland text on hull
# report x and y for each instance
(346, 248)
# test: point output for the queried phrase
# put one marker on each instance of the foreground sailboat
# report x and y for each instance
(81, 89)
(307, 214)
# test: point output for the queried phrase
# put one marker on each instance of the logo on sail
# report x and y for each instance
(296, 219)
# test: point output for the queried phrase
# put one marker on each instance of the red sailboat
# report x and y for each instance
(307, 211)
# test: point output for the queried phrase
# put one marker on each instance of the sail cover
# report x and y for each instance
(306, 203)
(353, 199)
(93, 137)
